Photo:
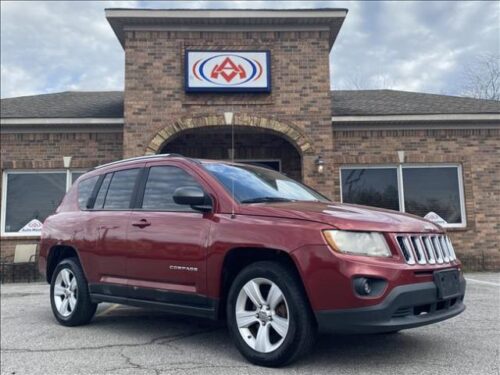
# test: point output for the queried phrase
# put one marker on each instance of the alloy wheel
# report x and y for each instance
(262, 315)
(65, 292)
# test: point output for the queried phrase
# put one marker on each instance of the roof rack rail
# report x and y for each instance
(137, 158)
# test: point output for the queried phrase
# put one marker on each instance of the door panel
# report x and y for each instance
(109, 220)
(166, 241)
(169, 254)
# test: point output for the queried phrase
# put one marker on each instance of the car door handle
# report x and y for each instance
(143, 223)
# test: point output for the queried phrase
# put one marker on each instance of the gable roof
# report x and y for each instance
(109, 104)
(68, 104)
(392, 102)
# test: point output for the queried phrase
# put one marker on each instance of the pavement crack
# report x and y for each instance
(155, 341)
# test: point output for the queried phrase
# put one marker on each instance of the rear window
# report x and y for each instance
(85, 189)
(121, 189)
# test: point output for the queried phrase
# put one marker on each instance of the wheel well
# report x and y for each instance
(239, 258)
(57, 254)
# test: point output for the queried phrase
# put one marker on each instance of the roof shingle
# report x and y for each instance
(68, 104)
(109, 104)
(392, 102)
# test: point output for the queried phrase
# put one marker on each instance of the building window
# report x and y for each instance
(431, 191)
(28, 197)
(376, 187)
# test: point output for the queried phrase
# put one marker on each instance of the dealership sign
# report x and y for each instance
(227, 71)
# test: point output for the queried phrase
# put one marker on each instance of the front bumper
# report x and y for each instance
(406, 306)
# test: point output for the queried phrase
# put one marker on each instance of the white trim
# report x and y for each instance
(225, 29)
(61, 121)
(399, 170)
(401, 193)
(3, 211)
(227, 14)
(439, 117)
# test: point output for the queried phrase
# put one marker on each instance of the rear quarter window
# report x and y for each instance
(85, 188)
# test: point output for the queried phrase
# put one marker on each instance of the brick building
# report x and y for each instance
(430, 155)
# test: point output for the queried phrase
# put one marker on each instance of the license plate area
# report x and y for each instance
(447, 283)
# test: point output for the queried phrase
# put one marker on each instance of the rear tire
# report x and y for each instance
(69, 294)
(283, 328)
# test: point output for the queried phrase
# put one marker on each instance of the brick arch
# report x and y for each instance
(290, 132)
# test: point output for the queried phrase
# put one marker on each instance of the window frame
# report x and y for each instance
(141, 190)
(399, 174)
(99, 182)
(3, 211)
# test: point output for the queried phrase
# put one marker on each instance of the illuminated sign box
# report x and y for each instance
(227, 71)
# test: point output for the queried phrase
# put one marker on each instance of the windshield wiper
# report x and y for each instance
(266, 199)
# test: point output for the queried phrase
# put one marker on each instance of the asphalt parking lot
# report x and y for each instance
(124, 340)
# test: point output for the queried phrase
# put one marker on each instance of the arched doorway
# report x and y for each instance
(251, 145)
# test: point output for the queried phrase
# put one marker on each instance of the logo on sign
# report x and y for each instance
(227, 71)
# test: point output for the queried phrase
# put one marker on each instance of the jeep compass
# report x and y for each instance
(274, 258)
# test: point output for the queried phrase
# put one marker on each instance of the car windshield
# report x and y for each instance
(253, 184)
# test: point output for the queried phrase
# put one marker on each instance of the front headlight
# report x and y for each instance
(359, 243)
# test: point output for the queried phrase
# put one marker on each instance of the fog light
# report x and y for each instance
(369, 286)
(362, 286)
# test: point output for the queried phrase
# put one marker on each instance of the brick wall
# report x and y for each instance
(155, 97)
(478, 151)
(46, 151)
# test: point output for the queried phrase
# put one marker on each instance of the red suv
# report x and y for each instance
(273, 257)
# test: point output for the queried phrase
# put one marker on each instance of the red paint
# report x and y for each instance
(112, 250)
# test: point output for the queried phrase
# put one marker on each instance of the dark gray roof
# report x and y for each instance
(73, 104)
(391, 102)
(109, 104)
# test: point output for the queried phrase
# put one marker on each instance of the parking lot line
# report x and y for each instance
(482, 282)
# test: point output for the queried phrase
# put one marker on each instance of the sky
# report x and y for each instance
(53, 46)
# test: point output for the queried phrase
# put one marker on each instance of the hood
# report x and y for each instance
(344, 216)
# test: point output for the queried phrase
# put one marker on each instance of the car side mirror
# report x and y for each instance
(194, 197)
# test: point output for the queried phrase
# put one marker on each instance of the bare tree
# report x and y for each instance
(481, 77)
(360, 81)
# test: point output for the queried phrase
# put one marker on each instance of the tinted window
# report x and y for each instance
(376, 187)
(120, 189)
(30, 198)
(85, 189)
(435, 190)
(101, 195)
(160, 187)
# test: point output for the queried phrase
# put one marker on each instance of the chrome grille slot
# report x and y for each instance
(406, 249)
(431, 257)
(426, 249)
(446, 253)
(437, 250)
(450, 247)
(419, 250)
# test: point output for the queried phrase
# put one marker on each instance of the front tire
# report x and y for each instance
(269, 317)
(69, 294)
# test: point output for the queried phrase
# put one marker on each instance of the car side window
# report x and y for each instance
(121, 189)
(101, 195)
(160, 186)
(85, 189)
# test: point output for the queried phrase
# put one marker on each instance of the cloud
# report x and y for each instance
(419, 46)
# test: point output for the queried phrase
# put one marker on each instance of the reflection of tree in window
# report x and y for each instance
(371, 187)
(433, 190)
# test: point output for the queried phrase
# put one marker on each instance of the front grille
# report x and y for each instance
(426, 249)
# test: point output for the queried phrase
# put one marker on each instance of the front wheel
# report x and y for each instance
(69, 295)
(269, 316)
